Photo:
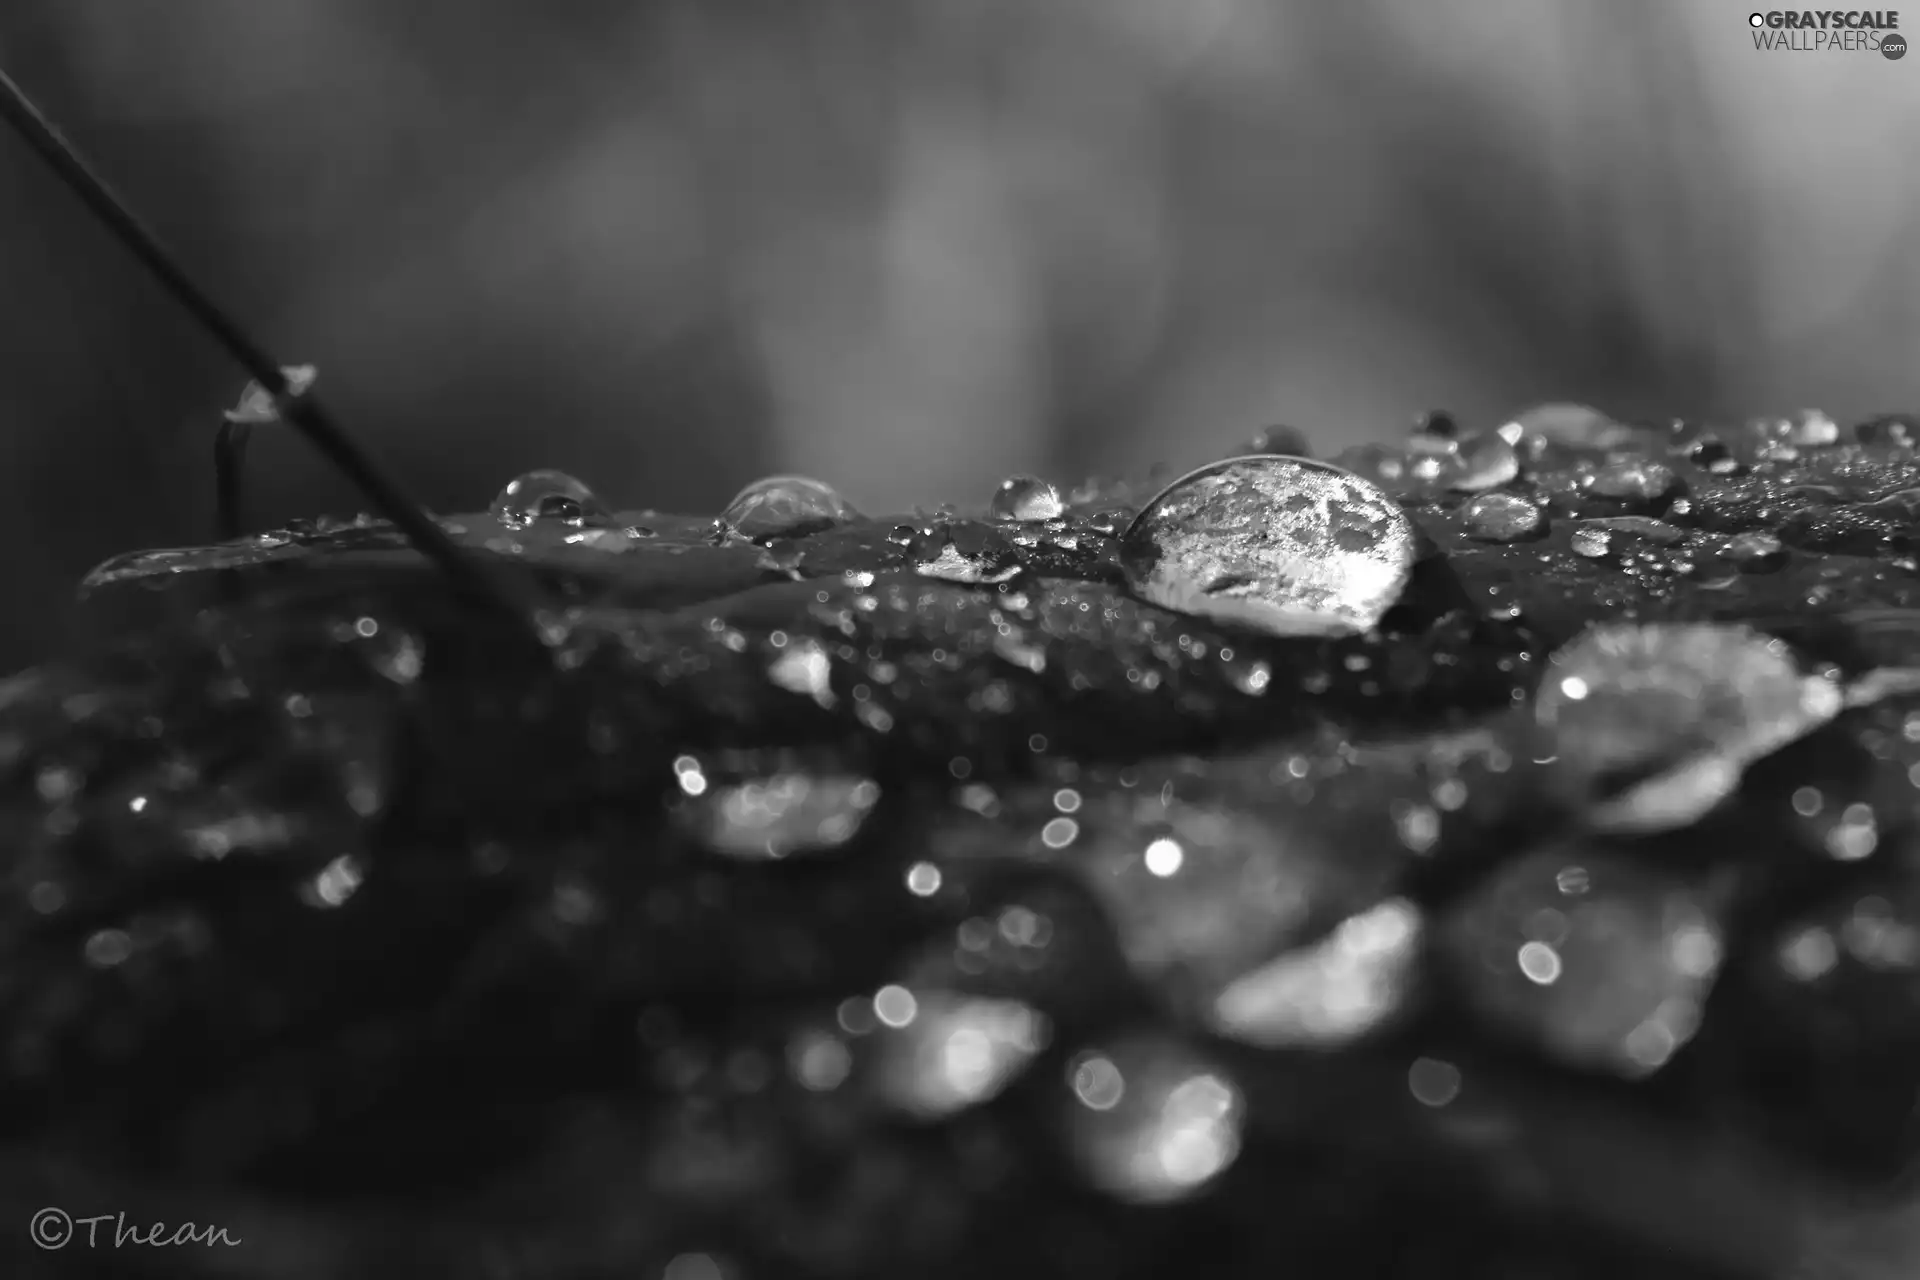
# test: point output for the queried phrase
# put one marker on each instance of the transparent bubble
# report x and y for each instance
(784, 507)
(1026, 498)
(1293, 547)
(540, 496)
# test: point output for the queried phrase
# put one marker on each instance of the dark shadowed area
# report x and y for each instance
(912, 247)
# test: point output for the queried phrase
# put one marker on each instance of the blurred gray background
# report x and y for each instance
(909, 246)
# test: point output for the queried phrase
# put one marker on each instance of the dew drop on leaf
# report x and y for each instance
(784, 506)
(1026, 498)
(1292, 547)
(541, 496)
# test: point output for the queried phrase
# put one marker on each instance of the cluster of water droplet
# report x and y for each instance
(1475, 709)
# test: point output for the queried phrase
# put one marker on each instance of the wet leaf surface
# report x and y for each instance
(1493, 858)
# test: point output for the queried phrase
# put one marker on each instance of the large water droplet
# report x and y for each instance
(548, 495)
(784, 507)
(1026, 498)
(1150, 1121)
(1292, 547)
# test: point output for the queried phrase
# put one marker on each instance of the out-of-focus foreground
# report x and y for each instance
(912, 246)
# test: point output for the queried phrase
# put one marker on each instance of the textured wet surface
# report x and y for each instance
(1492, 859)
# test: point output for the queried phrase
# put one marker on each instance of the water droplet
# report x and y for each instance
(1685, 706)
(1590, 542)
(1329, 993)
(1898, 430)
(257, 408)
(1152, 1122)
(1811, 429)
(1290, 547)
(1503, 517)
(1634, 481)
(1570, 426)
(1613, 977)
(1755, 552)
(1026, 498)
(985, 563)
(1486, 462)
(804, 667)
(784, 506)
(955, 1052)
(1644, 528)
(547, 495)
(738, 810)
(1290, 441)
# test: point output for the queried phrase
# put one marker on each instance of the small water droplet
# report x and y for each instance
(784, 506)
(1026, 498)
(547, 495)
(1289, 546)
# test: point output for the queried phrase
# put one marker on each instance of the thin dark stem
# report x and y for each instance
(301, 409)
(229, 456)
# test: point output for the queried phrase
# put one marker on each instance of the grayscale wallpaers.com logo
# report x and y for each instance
(1820, 31)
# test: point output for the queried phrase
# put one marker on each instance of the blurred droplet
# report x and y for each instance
(756, 805)
(1150, 1121)
(1329, 993)
(1755, 552)
(1569, 426)
(1634, 481)
(1288, 441)
(1288, 546)
(955, 1052)
(1486, 462)
(1685, 706)
(1613, 976)
(541, 496)
(257, 408)
(784, 506)
(1026, 498)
